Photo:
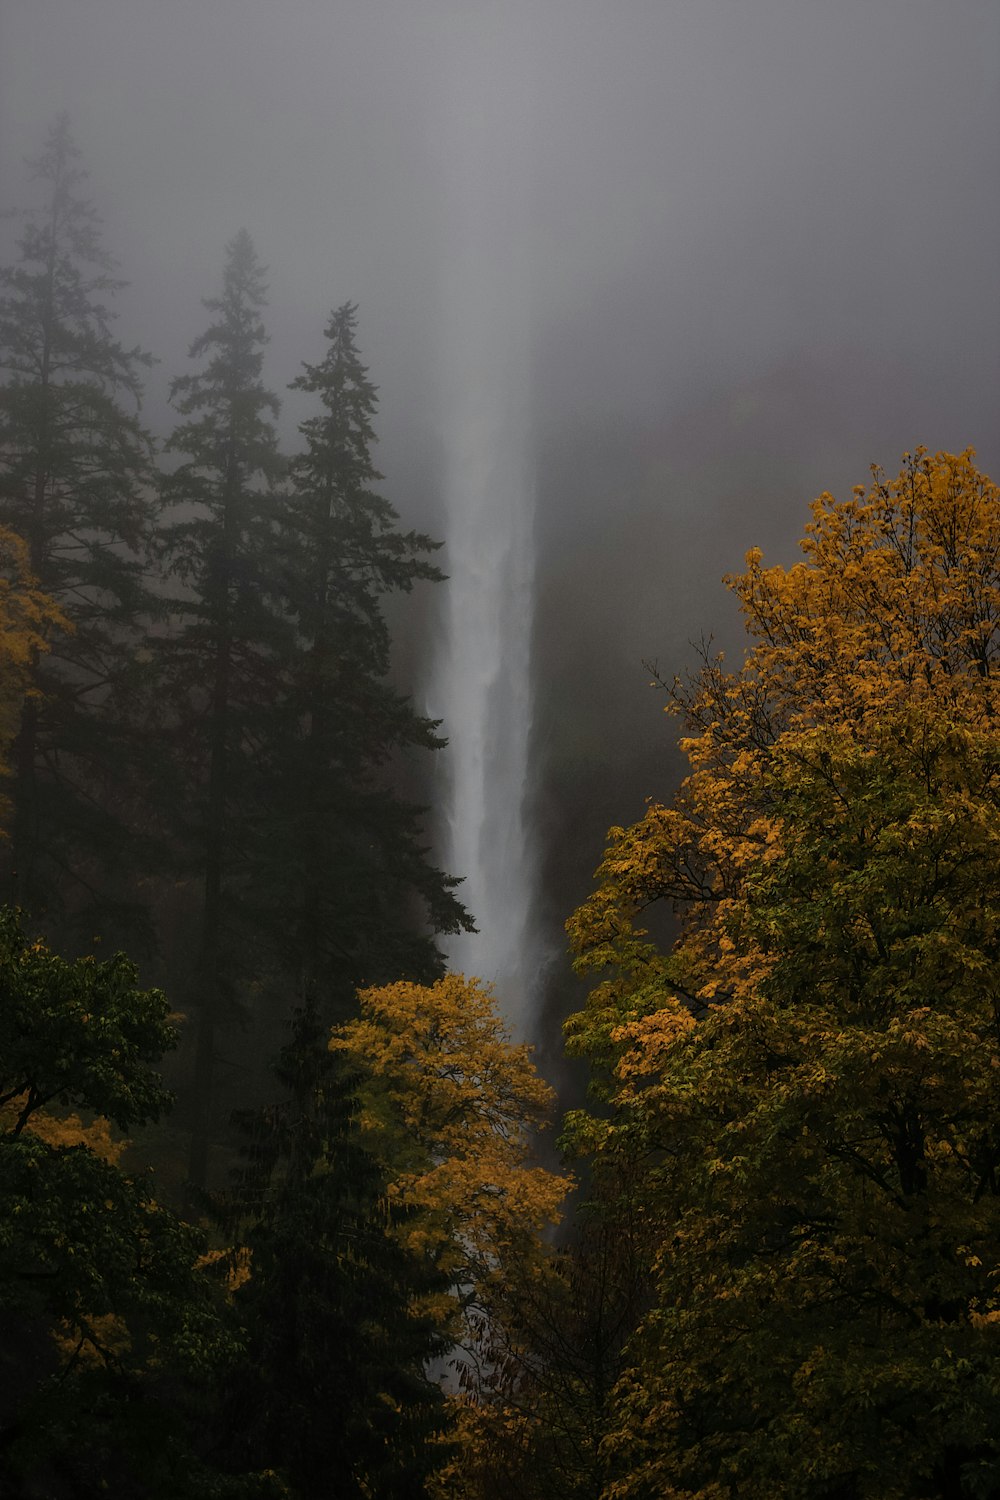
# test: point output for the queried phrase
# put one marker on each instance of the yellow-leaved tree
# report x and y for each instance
(449, 1107)
(27, 620)
(807, 1085)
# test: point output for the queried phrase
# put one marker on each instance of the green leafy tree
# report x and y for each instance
(75, 485)
(108, 1322)
(351, 895)
(222, 663)
(806, 1086)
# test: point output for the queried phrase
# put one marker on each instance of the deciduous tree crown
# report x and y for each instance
(809, 1080)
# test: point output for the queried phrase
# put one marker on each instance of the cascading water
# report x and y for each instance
(482, 687)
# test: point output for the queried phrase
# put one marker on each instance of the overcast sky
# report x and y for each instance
(757, 240)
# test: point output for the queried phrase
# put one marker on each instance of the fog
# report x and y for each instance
(756, 246)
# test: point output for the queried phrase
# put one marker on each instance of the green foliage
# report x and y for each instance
(109, 1323)
(79, 1035)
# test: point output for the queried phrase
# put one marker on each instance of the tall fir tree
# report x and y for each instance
(221, 663)
(338, 1314)
(351, 895)
(75, 483)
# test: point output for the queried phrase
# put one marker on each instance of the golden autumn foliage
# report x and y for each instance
(64, 1131)
(449, 1107)
(449, 1104)
(27, 620)
(809, 1081)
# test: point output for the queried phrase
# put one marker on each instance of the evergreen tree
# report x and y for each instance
(337, 1312)
(351, 896)
(74, 483)
(221, 664)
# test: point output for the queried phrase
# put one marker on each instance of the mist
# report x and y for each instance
(742, 252)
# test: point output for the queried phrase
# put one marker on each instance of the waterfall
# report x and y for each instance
(482, 681)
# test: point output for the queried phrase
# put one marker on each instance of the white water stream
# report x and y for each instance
(482, 685)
